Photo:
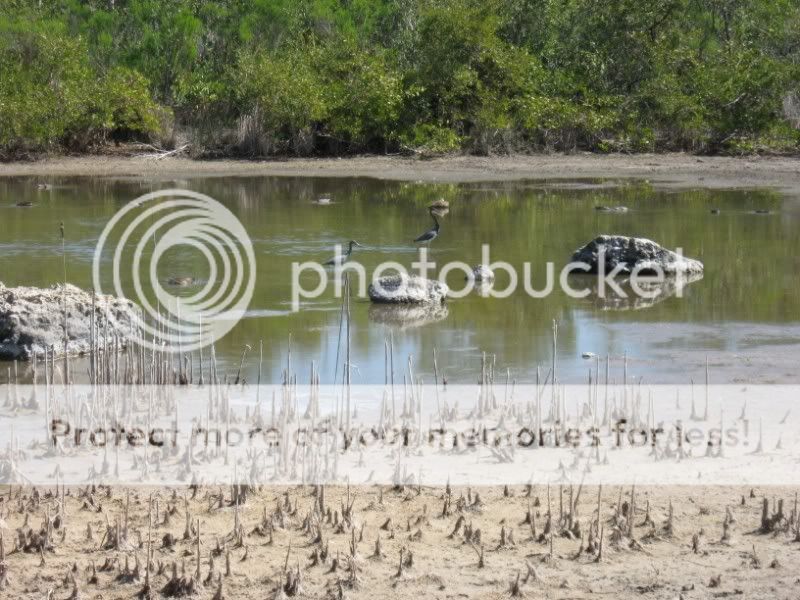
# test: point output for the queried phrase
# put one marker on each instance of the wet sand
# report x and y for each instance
(664, 170)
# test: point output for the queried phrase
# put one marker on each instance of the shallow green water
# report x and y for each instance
(750, 290)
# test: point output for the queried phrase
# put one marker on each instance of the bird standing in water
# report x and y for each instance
(431, 234)
(340, 259)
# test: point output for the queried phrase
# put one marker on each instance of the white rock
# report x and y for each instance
(32, 320)
(405, 289)
(633, 253)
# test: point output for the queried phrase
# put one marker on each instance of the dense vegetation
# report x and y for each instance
(262, 77)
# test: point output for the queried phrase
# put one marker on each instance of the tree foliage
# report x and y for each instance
(262, 77)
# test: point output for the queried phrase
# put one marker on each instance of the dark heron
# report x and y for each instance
(431, 234)
(340, 259)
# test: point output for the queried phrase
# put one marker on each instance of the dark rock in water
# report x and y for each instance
(407, 316)
(634, 253)
(32, 320)
(405, 289)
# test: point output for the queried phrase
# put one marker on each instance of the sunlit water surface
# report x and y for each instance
(749, 297)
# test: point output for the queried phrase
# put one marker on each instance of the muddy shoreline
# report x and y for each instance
(662, 170)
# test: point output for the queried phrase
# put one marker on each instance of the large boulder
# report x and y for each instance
(32, 320)
(407, 289)
(633, 253)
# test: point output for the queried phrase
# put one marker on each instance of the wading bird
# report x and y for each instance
(431, 234)
(340, 259)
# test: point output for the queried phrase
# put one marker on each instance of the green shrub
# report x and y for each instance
(50, 95)
(366, 97)
(285, 97)
(426, 138)
(263, 77)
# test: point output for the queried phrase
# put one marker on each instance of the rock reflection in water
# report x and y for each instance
(656, 292)
(407, 316)
(482, 288)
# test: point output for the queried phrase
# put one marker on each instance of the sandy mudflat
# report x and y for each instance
(284, 535)
(674, 170)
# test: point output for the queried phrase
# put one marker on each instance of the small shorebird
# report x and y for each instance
(340, 259)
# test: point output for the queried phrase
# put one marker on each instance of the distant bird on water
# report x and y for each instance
(181, 281)
(340, 259)
(431, 234)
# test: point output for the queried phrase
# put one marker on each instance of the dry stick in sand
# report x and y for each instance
(286, 562)
(548, 528)
(599, 518)
(347, 373)
(339, 341)
(532, 514)
(436, 382)
(600, 546)
(218, 595)
(241, 364)
(514, 588)
(391, 373)
(198, 580)
(632, 512)
(4, 581)
(258, 382)
(76, 592)
(400, 566)
(479, 551)
(146, 591)
(553, 368)
(796, 520)
(64, 300)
